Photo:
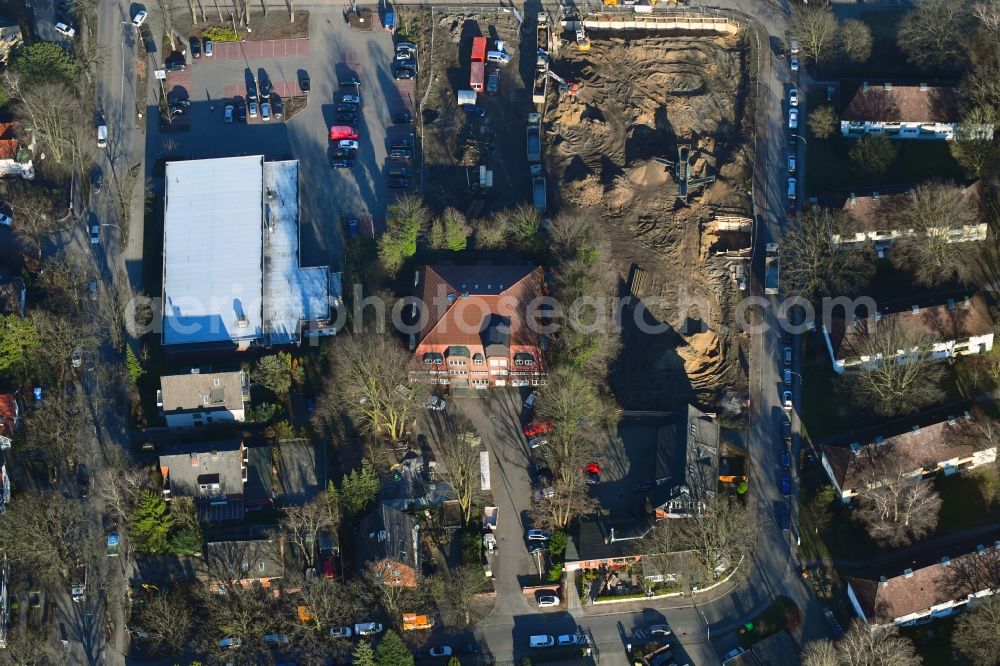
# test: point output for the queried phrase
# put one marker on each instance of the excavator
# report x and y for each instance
(565, 87)
(582, 42)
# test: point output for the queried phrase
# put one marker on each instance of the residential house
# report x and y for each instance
(10, 418)
(934, 580)
(478, 327)
(194, 399)
(243, 561)
(940, 442)
(902, 112)
(390, 545)
(14, 160)
(958, 327)
(687, 464)
(225, 478)
(871, 224)
(598, 542)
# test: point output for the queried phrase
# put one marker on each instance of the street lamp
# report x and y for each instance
(800, 138)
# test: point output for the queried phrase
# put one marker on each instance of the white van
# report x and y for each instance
(102, 136)
(794, 46)
(541, 641)
(497, 56)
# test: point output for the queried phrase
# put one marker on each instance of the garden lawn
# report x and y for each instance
(781, 614)
(968, 500)
(829, 167)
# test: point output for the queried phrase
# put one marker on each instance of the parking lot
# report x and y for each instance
(333, 52)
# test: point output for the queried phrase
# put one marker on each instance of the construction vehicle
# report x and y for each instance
(538, 188)
(478, 49)
(534, 134)
(582, 42)
(771, 269)
(610, 3)
(78, 582)
(543, 32)
(477, 76)
(565, 87)
(541, 86)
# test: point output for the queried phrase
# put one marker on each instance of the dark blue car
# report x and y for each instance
(785, 459)
(786, 485)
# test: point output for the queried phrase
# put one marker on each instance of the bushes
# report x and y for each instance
(220, 35)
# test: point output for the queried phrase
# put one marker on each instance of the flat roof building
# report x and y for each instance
(231, 273)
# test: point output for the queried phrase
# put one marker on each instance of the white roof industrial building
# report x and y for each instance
(231, 273)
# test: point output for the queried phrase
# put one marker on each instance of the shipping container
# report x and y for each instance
(478, 49)
(477, 76)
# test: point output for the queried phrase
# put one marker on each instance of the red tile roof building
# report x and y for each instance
(902, 112)
(478, 328)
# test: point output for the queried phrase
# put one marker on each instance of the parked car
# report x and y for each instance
(398, 183)
(346, 118)
(783, 517)
(548, 601)
(402, 73)
(227, 643)
(6, 220)
(83, 479)
(786, 458)
(65, 30)
(327, 568)
(404, 154)
(791, 164)
(539, 535)
(535, 442)
(350, 81)
(342, 163)
(265, 111)
(402, 117)
(228, 112)
(435, 403)
(253, 109)
(304, 83)
(402, 142)
(566, 640)
(241, 110)
(251, 90)
(340, 632)
(407, 47)
(96, 180)
(347, 144)
(175, 63)
(276, 639)
(793, 97)
(139, 18)
(351, 99)
(474, 111)
(786, 430)
(793, 63)
(95, 234)
(786, 399)
(493, 81)
(788, 355)
(793, 118)
(538, 427)
(593, 478)
(345, 107)
(209, 48)
(547, 492)
(787, 377)
(440, 651)
(277, 108)
(368, 628)
(195, 47)
(399, 172)
(786, 485)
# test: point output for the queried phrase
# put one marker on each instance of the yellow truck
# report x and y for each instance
(413, 621)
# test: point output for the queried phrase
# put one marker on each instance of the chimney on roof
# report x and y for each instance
(914, 309)
(908, 573)
(864, 86)
(451, 297)
(887, 86)
(882, 579)
(951, 303)
(915, 428)
(923, 87)
(854, 199)
(945, 560)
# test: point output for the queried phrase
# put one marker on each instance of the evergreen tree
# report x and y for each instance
(363, 655)
(151, 524)
(392, 651)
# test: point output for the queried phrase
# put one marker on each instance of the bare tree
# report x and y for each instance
(722, 538)
(394, 599)
(824, 121)
(988, 13)
(123, 186)
(974, 148)
(230, 564)
(458, 464)
(244, 613)
(52, 108)
(977, 632)
(657, 549)
(456, 589)
(974, 572)
(820, 653)
(168, 620)
(865, 645)
(42, 534)
(856, 40)
(120, 486)
(58, 335)
(115, 309)
(933, 33)
(895, 509)
(331, 603)
(817, 29)
(369, 382)
(901, 376)
(55, 430)
(301, 525)
(494, 231)
(931, 210)
(35, 215)
(813, 266)
(64, 279)
(579, 415)
(569, 501)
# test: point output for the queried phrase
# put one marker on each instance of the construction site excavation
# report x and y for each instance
(645, 122)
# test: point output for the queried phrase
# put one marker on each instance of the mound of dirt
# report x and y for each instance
(702, 357)
(586, 193)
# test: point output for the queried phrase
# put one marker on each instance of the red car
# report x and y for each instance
(327, 568)
(338, 132)
(593, 468)
(538, 427)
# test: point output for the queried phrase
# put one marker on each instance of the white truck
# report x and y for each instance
(78, 582)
